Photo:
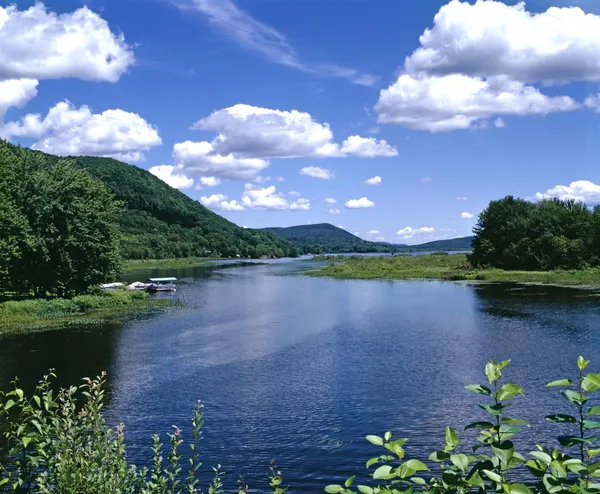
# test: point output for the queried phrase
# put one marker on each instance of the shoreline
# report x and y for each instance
(450, 267)
(32, 315)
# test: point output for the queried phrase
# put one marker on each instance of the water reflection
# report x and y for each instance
(301, 368)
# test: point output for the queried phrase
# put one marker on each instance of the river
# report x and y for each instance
(300, 369)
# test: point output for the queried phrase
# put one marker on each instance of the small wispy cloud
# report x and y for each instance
(266, 41)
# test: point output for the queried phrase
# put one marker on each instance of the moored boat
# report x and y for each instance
(162, 284)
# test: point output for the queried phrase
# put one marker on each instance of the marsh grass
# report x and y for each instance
(38, 314)
(453, 267)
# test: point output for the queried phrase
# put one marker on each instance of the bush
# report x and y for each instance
(52, 444)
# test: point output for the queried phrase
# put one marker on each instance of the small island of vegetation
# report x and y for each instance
(551, 241)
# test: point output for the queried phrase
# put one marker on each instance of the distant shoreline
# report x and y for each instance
(445, 267)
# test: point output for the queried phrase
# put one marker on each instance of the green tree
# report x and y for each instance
(59, 225)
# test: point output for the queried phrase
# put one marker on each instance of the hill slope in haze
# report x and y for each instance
(159, 221)
(326, 238)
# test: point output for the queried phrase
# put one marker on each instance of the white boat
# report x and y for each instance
(162, 284)
(138, 285)
(112, 286)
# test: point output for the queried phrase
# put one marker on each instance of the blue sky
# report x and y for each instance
(263, 109)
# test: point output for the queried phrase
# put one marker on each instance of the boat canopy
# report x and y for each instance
(162, 280)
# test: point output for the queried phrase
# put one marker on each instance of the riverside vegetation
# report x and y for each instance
(551, 241)
(59, 442)
(451, 267)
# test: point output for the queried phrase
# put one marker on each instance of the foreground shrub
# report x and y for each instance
(60, 443)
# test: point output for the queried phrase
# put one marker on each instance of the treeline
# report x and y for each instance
(59, 230)
(515, 234)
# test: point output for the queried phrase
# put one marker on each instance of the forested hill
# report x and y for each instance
(159, 221)
(326, 238)
(452, 244)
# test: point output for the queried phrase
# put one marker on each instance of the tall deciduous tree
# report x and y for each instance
(59, 231)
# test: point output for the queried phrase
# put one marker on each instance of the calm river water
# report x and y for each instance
(300, 369)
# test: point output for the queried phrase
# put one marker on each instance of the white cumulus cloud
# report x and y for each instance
(38, 44)
(16, 93)
(457, 101)
(168, 174)
(361, 203)
(373, 232)
(247, 132)
(219, 202)
(481, 62)
(580, 190)
(376, 180)
(268, 198)
(462, 198)
(210, 181)
(70, 131)
(466, 216)
(317, 172)
(334, 211)
(490, 38)
(330, 200)
(200, 158)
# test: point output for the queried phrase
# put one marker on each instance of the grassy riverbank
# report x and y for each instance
(445, 267)
(38, 315)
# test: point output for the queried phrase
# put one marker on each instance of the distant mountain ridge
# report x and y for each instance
(326, 238)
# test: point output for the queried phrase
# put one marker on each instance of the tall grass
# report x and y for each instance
(37, 314)
(446, 267)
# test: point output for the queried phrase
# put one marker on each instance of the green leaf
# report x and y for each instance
(559, 382)
(492, 372)
(411, 467)
(509, 391)
(382, 472)
(569, 441)
(582, 363)
(493, 409)
(372, 461)
(561, 418)
(504, 451)
(591, 424)
(520, 489)
(595, 410)
(476, 388)
(540, 455)
(387, 436)
(591, 383)
(334, 489)
(515, 421)
(460, 461)
(452, 440)
(574, 397)
(492, 476)
(350, 481)
(9, 404)
(376, 440)
(439, 456)
(365, 489)
(503, 364)
(479, 425)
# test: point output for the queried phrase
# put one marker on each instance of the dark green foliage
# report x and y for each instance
(59, 230)
(452, 244)
(158, 221)
(326, 238)
(161, 222)
(552, 234)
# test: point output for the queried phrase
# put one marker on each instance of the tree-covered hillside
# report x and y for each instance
(159, 221)
(326, 238)
(451, 244)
